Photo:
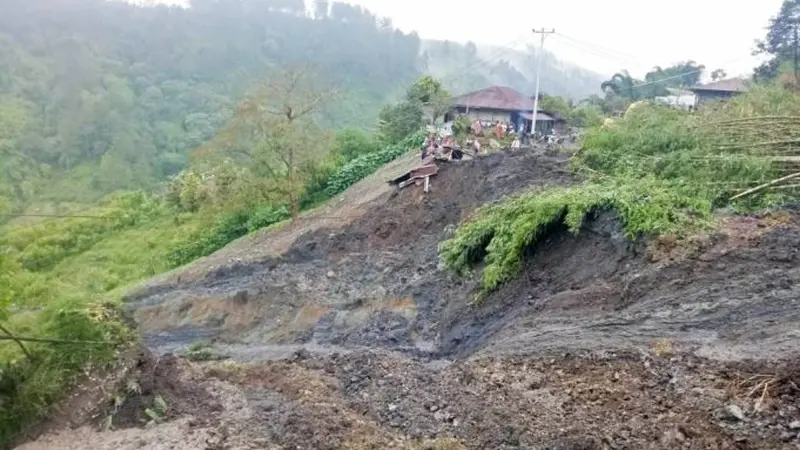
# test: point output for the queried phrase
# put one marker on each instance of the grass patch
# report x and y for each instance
(662, 170)
(499, 234)
(29, 385)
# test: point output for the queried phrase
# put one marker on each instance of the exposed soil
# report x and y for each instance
(357, 338)
(373, 282)
(380, 400)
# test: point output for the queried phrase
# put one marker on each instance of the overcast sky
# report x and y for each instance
(604, 36)
(613, 34)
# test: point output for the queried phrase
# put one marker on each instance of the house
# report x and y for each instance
(718, 90)
(679, 98)
(501, 104)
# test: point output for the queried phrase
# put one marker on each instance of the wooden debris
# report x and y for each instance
(415, 176)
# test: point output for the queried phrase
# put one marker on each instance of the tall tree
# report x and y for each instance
(274, 131)
(780, 42)
(556, 104)
(622, 84)
(433, 98)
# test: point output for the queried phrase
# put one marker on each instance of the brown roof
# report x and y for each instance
(495, 97)
(729, 85)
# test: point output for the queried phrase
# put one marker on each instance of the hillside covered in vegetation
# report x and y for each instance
(151, 136)
(98, 96)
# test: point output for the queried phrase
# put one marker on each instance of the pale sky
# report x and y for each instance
(603, 36)
(613, 34)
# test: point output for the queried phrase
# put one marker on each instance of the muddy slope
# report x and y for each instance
(598, 344)
(728, 296)
(376, 282)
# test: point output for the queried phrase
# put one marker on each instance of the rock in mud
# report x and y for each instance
(733, 412)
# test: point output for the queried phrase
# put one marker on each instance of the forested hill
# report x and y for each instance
(98, 96)
(114, 95)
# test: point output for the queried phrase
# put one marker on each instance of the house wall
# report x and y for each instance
(490, 115)
(710, 96)
(687, 101)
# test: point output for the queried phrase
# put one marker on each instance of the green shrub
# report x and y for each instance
(266, 216)
(661, 170)
(42, 246)
(224, 229)
(28, 386)
(351, 143)
(365, 165)
(317, 181)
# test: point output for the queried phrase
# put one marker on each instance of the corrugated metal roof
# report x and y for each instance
(540, 116)
(495, 97)
(729, 85)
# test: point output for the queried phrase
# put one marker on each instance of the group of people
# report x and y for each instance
(446, 147)
(500, 128)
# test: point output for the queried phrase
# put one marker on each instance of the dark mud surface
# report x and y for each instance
(381, 400)
(358, 339)
(377, 283)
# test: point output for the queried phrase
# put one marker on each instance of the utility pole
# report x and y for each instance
(544, 33)
(795, 57)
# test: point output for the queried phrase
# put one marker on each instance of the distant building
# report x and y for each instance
(718, 90)
(679, 98)
(501, 104)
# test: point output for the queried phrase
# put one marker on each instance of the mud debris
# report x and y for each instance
(357, 338)
(382, 400)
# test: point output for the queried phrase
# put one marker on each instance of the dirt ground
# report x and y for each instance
(352, 336)
(381, 400)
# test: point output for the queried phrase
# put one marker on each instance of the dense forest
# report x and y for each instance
(98, 96)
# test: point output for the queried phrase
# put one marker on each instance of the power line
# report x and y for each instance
(684, 74)
(52, 341)
(598, 48)
(597, 54)
(604, 52)
(56, 216)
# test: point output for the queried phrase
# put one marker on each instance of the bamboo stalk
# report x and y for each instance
(753, 119)
(762, 144)
(787, 186)
(765, 185)
(10, 336)
(19, 340)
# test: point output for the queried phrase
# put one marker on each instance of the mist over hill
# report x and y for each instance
(98, 96)
(466, 67)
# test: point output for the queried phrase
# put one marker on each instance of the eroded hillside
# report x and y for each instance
(362, 339)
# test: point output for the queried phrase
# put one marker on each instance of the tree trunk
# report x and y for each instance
(295, 207)
(293, 189)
